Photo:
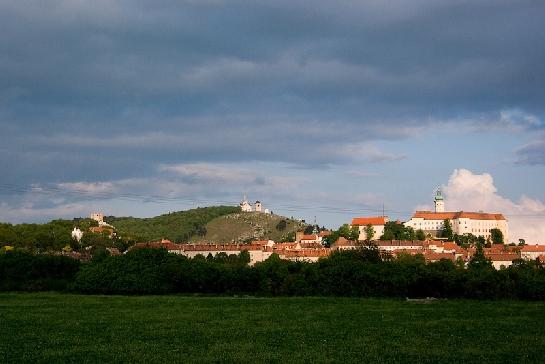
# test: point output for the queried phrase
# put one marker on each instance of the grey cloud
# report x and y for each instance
(426, 53)
(532, 153)
(111, 89)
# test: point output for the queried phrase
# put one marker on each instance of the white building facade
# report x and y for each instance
(476, 223)
(376, 222)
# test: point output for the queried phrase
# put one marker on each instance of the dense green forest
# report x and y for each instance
(175, 226)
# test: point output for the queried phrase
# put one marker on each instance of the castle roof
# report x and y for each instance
(429, 215)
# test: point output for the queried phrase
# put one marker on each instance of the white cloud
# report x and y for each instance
(475, 192)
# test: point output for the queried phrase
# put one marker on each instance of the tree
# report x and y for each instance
(420, 235)
(288, 237)
(344, 231)
(309, 229)
(409, 233)
(281, 226)
(446, 232)
(522, 242)
(369, 232)
(394, 230)
(496, 235)
(354, 233)
(478, 260)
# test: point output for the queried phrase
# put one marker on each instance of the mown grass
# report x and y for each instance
(73, 328)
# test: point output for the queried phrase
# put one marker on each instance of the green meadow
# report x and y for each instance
(49, 328)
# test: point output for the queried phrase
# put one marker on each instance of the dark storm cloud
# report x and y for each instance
(110, 89)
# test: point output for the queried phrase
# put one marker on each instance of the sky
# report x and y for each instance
(318, 109)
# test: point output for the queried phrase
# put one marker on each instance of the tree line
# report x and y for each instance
(364, 272)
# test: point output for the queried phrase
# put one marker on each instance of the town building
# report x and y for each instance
(532, 252)
(301, 237)
(377, 223)
(476, 223)
(500, 255)
(258, 250)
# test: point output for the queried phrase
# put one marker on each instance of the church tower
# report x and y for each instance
(439, 202)
(245, 205)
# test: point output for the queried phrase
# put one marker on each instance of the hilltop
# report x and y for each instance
(247, 226)
(213, 224)
(175, 226)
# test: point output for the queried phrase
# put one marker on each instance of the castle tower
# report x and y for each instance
(258, 207)
(439, 202)
(98, 217)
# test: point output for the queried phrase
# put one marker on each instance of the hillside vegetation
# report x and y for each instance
(176, 226)
(247, 226)
(208, 224)
(53, 235)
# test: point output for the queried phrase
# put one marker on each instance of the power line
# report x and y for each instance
(105, 195)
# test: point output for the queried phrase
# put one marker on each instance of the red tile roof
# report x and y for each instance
(380, 243)
(218, 247)
(364, 221)
(309, 237)
(432, 256)
(342, 241)
(502, 257)
(306, 253)
(533, 248)
(429, 215)
(260, 242)
(290, 245)
(312, 245)
(449, 245)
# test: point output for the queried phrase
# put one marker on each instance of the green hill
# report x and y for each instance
(175, 226)
(207, 224)
(53, 235)
(247, 226)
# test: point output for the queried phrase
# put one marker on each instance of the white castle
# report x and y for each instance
(245, 206)
(463, 222)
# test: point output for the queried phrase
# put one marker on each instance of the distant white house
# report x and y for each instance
(77, 234)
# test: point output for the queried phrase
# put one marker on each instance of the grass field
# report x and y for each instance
(73, 328)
